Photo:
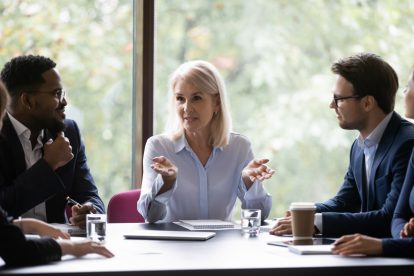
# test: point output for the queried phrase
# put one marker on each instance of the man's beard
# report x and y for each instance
(56, 126)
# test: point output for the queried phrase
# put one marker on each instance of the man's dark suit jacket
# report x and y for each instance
(350, 211)
(16, 250)
(405, 206)
(21, 189)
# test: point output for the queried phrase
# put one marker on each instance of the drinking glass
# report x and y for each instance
(250, 222)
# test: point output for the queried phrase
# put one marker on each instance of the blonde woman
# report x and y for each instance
(198, 168)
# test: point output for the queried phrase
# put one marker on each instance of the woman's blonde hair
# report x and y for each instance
(206, 78)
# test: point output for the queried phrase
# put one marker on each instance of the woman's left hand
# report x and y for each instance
(35, 226)
(256, 169)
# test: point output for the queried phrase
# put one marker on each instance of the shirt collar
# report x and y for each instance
(182, 143)
(375, 136)
(23, 131)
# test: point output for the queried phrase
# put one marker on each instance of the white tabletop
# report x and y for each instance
(227, 252)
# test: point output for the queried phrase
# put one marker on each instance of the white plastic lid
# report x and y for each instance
(302, 205)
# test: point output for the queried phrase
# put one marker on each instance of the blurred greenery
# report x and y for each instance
(276, 57)
(91, 42)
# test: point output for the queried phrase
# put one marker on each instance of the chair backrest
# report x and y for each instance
(122, 207)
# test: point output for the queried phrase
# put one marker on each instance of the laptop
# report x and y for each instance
(170, 235)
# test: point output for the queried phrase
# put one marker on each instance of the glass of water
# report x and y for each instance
(250, 222)
(96, 227)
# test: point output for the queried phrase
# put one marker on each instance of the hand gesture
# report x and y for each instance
(357, 244)
(81, 248)
(164, 166)
(283, 225)
(256, 169)
(168, 171)
(79, 214)
(408, 230)
(57, 153)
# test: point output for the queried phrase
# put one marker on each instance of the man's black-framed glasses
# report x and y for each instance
(336, 99)
(58, 93)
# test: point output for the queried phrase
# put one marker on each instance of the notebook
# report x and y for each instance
(311, 249)
(207, 224)
(313, 241)
(74, 231)
(170, 235)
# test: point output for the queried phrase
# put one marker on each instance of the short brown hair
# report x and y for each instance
(370, 75)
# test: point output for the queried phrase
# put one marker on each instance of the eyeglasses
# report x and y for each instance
(336, 98)
(59, 93)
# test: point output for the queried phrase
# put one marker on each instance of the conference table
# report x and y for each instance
(228, 253)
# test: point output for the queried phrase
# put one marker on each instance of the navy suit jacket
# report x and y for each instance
(21, 189)
(16, 250)
(396, 246)
(405, 206)
(350, 211)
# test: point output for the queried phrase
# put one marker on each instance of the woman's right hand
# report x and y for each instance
(408, 230)
(81, 248)
(164, 167)
(167, 169)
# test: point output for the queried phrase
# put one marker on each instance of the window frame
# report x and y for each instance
(143, 84)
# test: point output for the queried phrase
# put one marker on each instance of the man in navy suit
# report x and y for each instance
(363, 99)
(42, 155)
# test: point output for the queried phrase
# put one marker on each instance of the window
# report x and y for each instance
(276, 57)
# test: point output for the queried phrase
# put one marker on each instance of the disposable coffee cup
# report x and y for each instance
(303, 216)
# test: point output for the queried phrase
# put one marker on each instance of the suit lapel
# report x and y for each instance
(14, 147)
(383, 147)
(46, 136)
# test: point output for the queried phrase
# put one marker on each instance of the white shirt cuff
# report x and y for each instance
(164, 197)
(256, 191)
(318, 222)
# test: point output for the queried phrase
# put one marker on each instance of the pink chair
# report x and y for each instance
(122, 207)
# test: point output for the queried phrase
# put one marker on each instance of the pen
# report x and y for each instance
(74, 202)
(70, 200)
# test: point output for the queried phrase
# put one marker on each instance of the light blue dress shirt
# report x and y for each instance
(199, 192)
(370, 144)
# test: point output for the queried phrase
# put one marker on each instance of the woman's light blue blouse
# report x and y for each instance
(199, 192)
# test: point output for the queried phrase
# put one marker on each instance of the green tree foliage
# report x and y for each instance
(91, 42)
(275, 56)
